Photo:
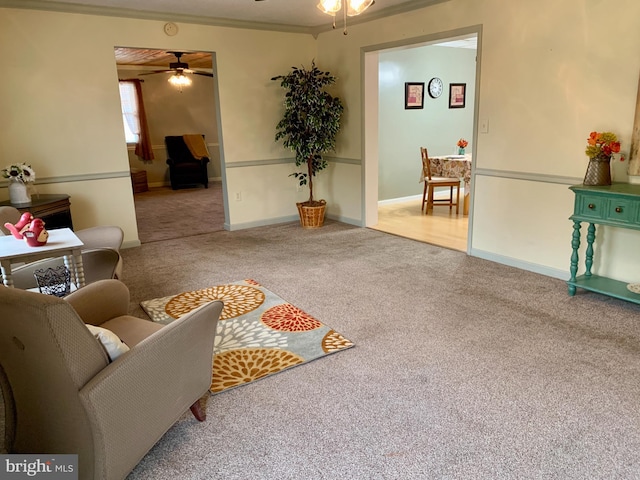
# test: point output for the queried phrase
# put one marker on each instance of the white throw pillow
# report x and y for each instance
(110, 341)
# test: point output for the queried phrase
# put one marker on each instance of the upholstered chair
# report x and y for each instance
(8, 214)
(103, 236)
(185, 170)
(65, 391)
(97, 264)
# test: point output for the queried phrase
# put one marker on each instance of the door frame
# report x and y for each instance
(369, 69)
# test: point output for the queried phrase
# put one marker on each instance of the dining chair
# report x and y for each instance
(430, 184)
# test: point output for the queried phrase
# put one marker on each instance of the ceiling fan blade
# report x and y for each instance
(206, 74)
(156, 71)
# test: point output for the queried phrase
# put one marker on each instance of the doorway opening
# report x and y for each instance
(394, 133)
(174, 109)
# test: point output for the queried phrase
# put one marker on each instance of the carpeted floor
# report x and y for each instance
(163, 213)
(463, 369)
(259, 334)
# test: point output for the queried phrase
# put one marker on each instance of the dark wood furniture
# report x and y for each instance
(139, 180)
(54, 209)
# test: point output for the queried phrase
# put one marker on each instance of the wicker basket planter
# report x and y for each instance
(311, 213)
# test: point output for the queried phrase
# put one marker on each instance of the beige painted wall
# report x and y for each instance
(551, 73)
(61, 109)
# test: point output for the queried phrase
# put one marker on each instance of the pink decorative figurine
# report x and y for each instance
(19, 228)
(36, 235)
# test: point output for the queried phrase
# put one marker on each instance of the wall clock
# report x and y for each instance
(435, 87)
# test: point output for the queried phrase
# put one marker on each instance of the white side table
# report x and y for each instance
(61, 242)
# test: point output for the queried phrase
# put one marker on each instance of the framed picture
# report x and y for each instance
(413, 95)
(457, 94)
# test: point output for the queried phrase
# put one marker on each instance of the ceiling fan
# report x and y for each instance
(179, 68)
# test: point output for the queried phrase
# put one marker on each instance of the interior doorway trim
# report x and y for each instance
(370, 134)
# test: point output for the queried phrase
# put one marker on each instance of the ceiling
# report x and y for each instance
(160, 58)
(288, 15)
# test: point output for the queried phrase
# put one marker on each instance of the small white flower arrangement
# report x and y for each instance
(19, 172)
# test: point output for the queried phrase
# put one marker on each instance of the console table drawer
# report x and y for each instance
(617, 205)
(621, 210)
(591, 206)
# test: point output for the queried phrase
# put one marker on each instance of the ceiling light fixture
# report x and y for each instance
(349, 7)
(179, 80)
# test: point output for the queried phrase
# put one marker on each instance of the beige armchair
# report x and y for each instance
(103, 236)
(62, 393)
(98, 264)
(8, 214)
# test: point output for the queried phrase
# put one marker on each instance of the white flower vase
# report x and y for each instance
(18, 193)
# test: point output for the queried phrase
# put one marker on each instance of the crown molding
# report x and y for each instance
(146, 15)
(213, 21)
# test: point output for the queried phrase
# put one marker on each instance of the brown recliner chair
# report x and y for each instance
(62, 393)
(184, 169)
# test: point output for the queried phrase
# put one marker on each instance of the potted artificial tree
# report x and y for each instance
(309, 127)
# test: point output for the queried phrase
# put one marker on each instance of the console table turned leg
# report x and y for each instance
(591, 236)
(575, 244)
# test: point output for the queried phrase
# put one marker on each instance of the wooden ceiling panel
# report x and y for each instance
(160, 58)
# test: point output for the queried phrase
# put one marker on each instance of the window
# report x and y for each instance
(130, 116)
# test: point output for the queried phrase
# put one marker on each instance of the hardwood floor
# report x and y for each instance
(443, 227)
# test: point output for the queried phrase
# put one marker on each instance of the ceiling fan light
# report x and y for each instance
(356, 7)
(330, 7)
(179, 80)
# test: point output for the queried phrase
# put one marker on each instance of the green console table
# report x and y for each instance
(616, 205)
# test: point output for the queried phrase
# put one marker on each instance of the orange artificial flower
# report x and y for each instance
(602, 144)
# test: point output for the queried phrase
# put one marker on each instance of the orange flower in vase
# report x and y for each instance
(462, 144)
(600, 147)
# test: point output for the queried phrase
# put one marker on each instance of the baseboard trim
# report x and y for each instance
(348, 220)
(391, 201)
(168, 184)
(261, 223)
(522, 265)
(287, 219)
(131, 244)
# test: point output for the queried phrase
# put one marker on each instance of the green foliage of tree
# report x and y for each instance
(311, 120)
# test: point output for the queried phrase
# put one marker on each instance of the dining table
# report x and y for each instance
(454, 166)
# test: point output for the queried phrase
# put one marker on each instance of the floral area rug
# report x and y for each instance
(258, 334)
